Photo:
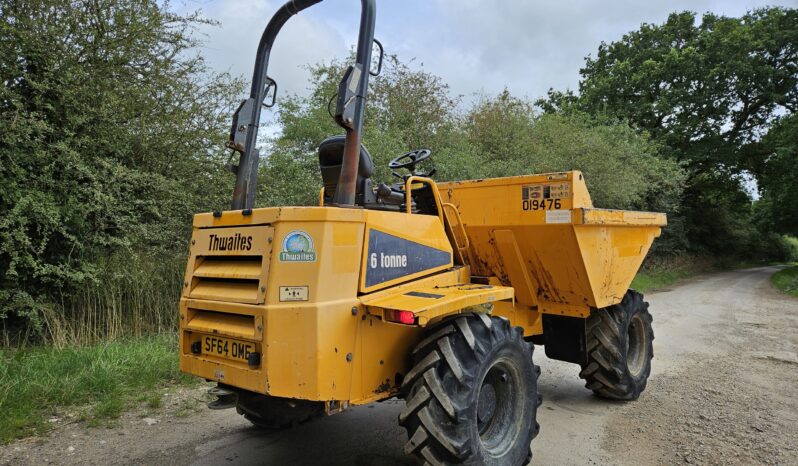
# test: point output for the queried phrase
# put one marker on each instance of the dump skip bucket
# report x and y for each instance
(541, 235)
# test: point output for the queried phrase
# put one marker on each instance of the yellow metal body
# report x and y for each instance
(327, 344)
(309, 288)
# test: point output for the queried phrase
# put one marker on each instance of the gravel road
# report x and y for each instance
(723, 390)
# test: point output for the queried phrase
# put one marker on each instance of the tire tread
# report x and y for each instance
(446, 363)
(605, 371)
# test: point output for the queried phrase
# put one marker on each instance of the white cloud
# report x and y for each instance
(530, 46)
(232, 45)
(474, 45)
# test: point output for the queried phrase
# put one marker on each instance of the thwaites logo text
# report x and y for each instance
(237, 242)
(297, 247)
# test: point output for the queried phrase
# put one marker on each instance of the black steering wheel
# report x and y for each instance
(413, 157)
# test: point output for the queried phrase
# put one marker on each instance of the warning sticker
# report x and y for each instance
(534, 191)
(546, 191)
(293, 293)
(558, 216)
(557, 190)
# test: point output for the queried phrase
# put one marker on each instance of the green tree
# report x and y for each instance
(778, 179)
(110, 138)
(709, 92)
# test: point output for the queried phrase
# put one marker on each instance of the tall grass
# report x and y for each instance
(132, 296)
(101, 348)
(97, 382)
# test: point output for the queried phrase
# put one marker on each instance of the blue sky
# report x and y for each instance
(477, 46)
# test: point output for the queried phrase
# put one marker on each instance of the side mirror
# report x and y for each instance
(344, 110)
(379, 63)
(271, 85)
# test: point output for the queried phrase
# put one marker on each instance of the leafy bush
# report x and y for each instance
(110, 139)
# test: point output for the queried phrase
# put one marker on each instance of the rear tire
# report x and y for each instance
(471, 396)
(619, 349)
(272, 413)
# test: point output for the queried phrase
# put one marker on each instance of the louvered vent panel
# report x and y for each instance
(224, 273)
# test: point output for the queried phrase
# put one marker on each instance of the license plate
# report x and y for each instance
(227, 348)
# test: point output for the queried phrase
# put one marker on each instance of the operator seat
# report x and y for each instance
(331, 155)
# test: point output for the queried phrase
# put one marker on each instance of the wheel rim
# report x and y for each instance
(636, 346)
(498, 403)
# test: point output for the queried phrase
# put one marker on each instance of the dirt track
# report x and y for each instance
(724, 390)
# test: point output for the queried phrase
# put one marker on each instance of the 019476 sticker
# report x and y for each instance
(544, 196)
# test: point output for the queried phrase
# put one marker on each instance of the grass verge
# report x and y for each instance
(786, 280)
(658, 273)
(657, 279)
(99, 382)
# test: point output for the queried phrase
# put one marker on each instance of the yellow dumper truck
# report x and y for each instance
(432, 292)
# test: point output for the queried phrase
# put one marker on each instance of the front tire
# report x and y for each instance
(619, 349)
(472, 394)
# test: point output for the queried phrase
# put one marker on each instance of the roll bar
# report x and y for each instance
(244, 131)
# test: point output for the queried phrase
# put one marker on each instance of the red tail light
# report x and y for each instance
(400, 317)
